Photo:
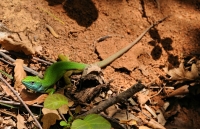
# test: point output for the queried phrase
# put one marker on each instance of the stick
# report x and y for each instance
(119, 98)
(17, 103)
(25, 67)
(20, 99)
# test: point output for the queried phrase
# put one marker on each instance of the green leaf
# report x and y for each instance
(55, 101)
(63, 123)
(91, 121)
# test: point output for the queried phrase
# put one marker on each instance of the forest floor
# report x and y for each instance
(80, 23)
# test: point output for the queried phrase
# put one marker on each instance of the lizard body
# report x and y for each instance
(57, 70)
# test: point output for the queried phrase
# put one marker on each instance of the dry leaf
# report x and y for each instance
(123, 115)
(47, 111)
(180, 91)
(38, 100)
(8, 122)
(19, 75)
(20, 122)
(8, 92)
(181, 74)
(128, 122)
(8, 113)
(49, 118)
(11, 43)
(154, 124)
(70, 103)
(91, 68)
(143, 127)
(190, 75)
(110, 111)
(150, 110)
(142, 99)
(132, 122)
(172, 111)
(64, 109)
(160, 117)
(78, 109)
(31, 98)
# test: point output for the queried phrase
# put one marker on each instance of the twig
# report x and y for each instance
(7, 57)
(6, 74)
(52, 31)
(43, 61)
(180, 91)
(62, 116)
(157, 93)
(17, 103)
(150, 110)
(20, 99)
(103, 38)
(7, 105)
(6, 62)
(158, 22)
(35, 58)
(119, 98)
(7, 113)
(25, 67)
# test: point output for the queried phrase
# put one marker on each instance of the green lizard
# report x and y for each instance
(57, 70)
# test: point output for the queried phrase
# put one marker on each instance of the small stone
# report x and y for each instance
(109, 92)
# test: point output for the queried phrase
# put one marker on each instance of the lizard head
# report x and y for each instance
(34, 83)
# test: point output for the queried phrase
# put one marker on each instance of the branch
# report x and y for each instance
(25, 67)
(20, 99)
(111, 101)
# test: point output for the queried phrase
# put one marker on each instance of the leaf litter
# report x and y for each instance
(177, 74)
(182, 74)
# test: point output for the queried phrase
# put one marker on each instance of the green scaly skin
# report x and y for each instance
(57, 70)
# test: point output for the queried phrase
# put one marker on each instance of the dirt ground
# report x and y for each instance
(80, 23)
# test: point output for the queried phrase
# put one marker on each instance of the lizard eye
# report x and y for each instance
(32, 83)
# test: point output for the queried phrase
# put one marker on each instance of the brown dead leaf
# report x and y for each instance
(78, 109)
(123, 115)
(8, 113)
(181, 74)
(49, 118)
(143, 127)
(1, 120)
(155, 125)
(31, 98)
(160, 117)
(70, 103)
(38, 100)
(110, 111)
(190, 75)
(47, 111)
(64, 109)
(131, 122)
(20, 122)
(19, 75)
(142, 99)
(8, 121)
(8, 92)
(13, 43)
(180, 91)
(128, 122)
